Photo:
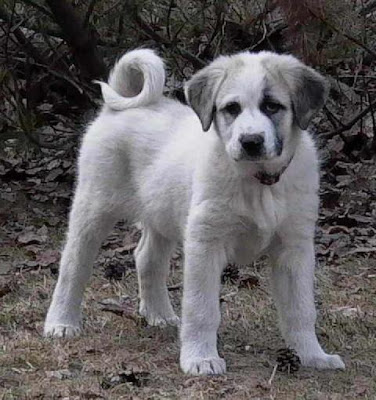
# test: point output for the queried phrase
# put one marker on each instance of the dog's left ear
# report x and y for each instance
(201, 91)
(308, 89)
(309, 93)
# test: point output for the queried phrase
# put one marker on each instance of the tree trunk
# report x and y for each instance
(79, 39)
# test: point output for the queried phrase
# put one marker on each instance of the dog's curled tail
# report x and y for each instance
(137, 80)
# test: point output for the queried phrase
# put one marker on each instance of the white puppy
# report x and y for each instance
(239, 181)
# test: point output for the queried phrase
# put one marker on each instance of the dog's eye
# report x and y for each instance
(233, 109)
(271, 107)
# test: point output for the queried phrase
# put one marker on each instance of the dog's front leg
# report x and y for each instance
(292, 285)
(204, 263)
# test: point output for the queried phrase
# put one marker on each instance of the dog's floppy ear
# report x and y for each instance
(308, 89)
(201, 91)
(309, 93)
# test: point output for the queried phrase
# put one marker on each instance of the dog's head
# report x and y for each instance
(258, 102)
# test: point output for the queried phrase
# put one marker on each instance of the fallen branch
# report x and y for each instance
(349, 125)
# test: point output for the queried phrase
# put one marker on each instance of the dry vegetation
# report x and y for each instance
(45, 81)
(120, 357)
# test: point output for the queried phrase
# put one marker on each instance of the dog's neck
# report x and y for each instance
(270, 178)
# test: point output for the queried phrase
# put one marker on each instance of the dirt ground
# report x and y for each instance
(119, 357)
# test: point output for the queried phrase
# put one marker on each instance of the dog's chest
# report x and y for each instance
(259, 214)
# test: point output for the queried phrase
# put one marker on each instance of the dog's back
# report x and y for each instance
(142, 138)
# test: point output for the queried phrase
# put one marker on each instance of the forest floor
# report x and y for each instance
(119, 357)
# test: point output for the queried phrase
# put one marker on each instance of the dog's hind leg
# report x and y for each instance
(90, 222)
(152, 261)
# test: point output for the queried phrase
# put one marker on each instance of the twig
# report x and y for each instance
(52, 72)
(335, 29)
(40, 8)
(89, 11)
(109, 9)
(151, 33)
(121, 24)
(168, 19)
(333, 119)
(263, 36)
(4, 15)
(361, 250)
(373, 144)
(33, 137)
(350, 124)
(21, 38)
(368, 8)
(272, 375)
(219, 23)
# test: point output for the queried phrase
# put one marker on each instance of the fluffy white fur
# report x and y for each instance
(147, 158)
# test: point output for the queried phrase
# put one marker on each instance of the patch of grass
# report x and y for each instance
(249, 340)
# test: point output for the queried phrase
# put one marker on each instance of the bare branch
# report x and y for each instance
(337, 30)
(151, 33)
(89, 11)
(38, 7)
(350, 124)
(30, 49)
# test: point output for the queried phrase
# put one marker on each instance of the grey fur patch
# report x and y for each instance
(201, 92)
(278, 144)
(309, 96)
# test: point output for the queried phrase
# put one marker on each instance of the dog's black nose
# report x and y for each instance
(253, 145)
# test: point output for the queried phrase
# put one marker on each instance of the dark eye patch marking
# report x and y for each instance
(233, 108)
(270, 106)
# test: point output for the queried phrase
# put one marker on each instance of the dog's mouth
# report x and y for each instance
(268, 178)
(267, 169)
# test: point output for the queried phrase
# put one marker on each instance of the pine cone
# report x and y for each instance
(230, 274)
(114, 271)
(288, 361)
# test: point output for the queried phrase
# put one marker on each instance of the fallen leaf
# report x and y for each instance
(29, 238)
(54, 174)
(48, 257)
(60, 374)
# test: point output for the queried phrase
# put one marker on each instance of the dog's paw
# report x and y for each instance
(61, 330)
(326, 361)
(161, 319)
(203, 366)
